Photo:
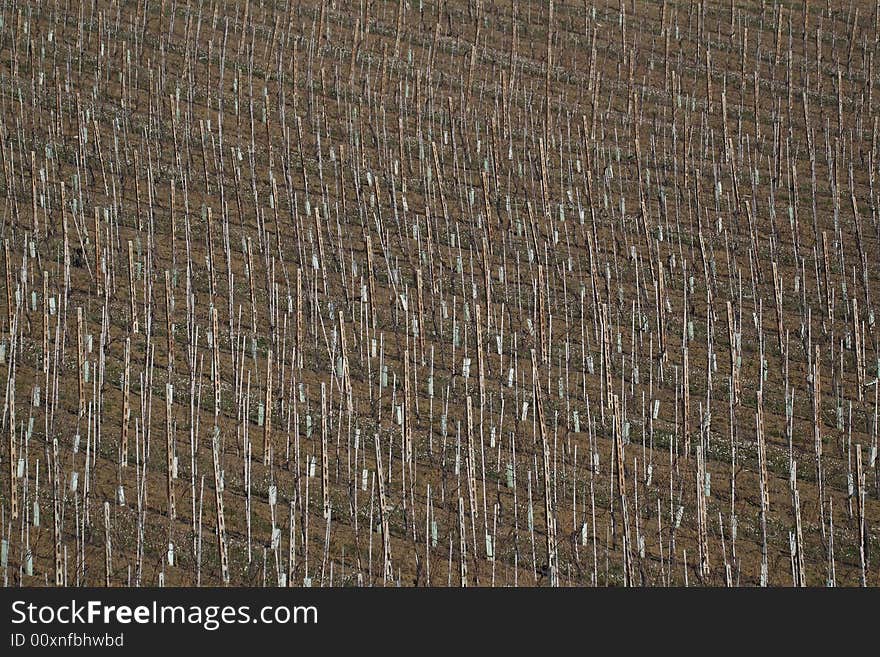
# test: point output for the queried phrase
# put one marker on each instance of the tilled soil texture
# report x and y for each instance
(457, 293)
